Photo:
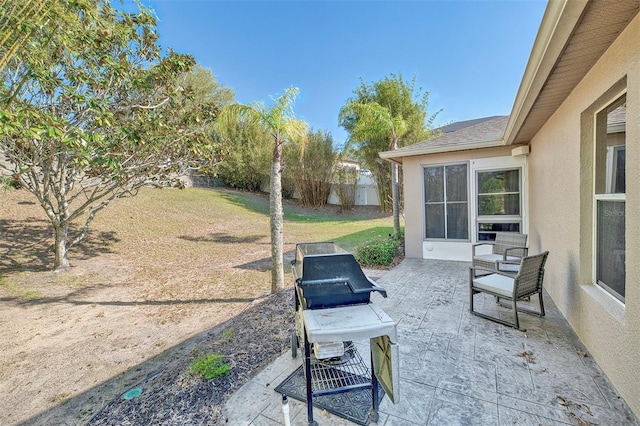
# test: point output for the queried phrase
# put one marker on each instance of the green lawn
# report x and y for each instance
(304, 225)
(174, 243)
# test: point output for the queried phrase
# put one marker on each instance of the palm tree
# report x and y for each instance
(375, 121)
(279, 120)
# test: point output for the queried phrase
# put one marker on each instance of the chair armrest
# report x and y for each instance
(488, 270)
(508, 270)
(508, 262)
(506, 251)
(473, 247)
(491, 271)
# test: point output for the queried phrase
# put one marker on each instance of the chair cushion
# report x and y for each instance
(493, 258)
(498, 284)
(509, 267)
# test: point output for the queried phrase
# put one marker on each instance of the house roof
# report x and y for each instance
(486, 133)
(572, 37)
(459, 125)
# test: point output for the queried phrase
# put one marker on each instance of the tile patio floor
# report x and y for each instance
(458, 369)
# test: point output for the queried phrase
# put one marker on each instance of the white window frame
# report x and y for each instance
(610, 160)
(498, 218)
(496, 164)
(424, 203)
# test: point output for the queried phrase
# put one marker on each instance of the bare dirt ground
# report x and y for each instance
(138, 304)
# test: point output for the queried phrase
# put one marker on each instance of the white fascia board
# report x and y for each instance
(558, 23)
(438, 149)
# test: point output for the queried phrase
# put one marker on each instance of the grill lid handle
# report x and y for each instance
(374, 287)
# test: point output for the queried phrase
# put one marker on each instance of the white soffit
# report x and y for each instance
(572, 37)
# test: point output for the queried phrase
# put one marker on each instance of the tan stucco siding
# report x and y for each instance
(561, 215)
(413, 187)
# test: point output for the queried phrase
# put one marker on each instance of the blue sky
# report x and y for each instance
(470, 55)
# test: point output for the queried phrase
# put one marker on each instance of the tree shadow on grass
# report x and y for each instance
(82, 296)
(264, 264)
(220, 237)
(293, 212)
(248, 201)
(27, 245)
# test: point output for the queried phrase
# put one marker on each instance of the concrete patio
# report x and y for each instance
(458, 369)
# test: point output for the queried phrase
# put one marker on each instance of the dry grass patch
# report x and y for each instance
(155, 270)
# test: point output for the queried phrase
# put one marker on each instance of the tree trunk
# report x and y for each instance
(60, 234)
(395, 192)
(276, 221)
(395, 195)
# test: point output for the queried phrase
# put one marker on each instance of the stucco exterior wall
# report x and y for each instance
(413, 187)
(561, 214)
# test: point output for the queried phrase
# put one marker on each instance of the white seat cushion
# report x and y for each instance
(494, 258)
(495, 283)
(509, 267)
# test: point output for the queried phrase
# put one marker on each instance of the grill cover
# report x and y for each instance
(329, 276)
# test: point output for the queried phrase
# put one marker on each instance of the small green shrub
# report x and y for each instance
(379, 252)
(228, 333)
(8, 182)
(209, 366)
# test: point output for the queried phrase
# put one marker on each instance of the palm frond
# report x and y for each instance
(372, 120)
(231, 113)
(279, 119)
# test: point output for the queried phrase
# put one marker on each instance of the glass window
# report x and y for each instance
(499, 192)
(610, 198)
(618, 178)
(499, 203)
(434, 220)
(487, 230)
(434, 184)
(446, 202)
(610, 262)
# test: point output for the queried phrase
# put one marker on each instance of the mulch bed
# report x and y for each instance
(171, 395)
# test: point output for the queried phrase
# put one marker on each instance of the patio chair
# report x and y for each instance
(509, 248)
(526, 283)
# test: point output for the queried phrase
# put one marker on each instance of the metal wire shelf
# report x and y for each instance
(341, 374)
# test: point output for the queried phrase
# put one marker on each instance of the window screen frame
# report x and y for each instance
(444, 202)
(604, 173)
(517, 220)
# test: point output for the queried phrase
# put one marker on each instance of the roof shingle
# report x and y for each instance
(487, 129)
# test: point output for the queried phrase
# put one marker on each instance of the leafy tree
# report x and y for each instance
(374, 122)
(93, 112)
(206, 89)
(246, 165)
(309, 165)
(402, 100)
(279, 120)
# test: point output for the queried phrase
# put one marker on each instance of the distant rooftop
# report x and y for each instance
(617, 117)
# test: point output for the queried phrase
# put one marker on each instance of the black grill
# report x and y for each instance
(329, 276)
